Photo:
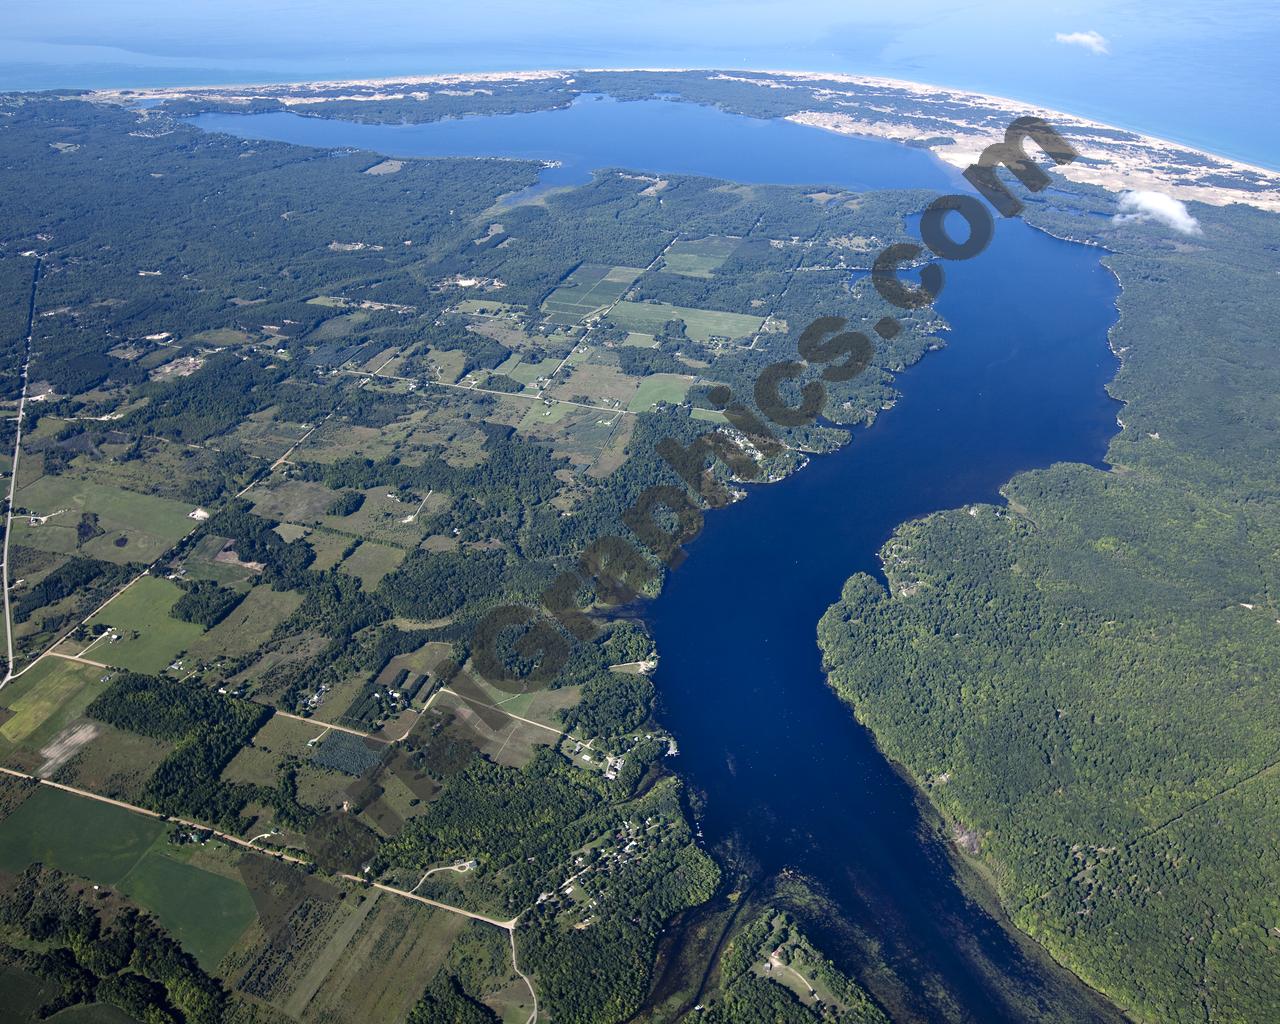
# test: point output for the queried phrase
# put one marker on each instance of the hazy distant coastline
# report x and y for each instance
(889, 108)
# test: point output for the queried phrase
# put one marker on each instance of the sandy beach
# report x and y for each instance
(888, 108)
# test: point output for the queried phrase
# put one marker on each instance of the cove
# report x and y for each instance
(784, 770)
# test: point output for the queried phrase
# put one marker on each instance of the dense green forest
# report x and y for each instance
(205, 602)
(771, 973)
(68, 578)
(207, 729)
(446, 1000)
(1079, 679)
(1083, 680)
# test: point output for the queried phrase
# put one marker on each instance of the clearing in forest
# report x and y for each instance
(591, 288)
(700, 324)
(698, 257)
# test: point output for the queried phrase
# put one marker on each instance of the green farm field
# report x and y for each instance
(328, 547)
(385, 517)
(219, 337)
(44, 701)
(206, 912)
(279, 738)
(539, 413)
(527, 373)
(424, 659)
(248, 625)
(296, 501)
(449, 364)
(701, 324)
(264, 436)
(77, 835)
(590, 288)
(338, 326)
(485, 307)
(22, 993)
(641, 340)
(579, 355)
(292, 501)
(148, 525)
(91, 1013)
(371, 561)
(332, 441)
(660, 387)
(508, 740)
(600, 381)
(201, 563)
(114, 763)
(538, 705)
(698, 257)
(709, 415)
(157, 468)
(144, 609)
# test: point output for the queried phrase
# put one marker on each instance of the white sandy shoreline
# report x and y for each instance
(1021, 105)
(1141, 161)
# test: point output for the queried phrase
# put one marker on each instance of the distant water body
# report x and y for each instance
(1202, 74)
(787, 772)
(596, 131)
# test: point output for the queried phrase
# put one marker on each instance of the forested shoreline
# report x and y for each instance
(305, 421)
(1079, 680)
(262, 562)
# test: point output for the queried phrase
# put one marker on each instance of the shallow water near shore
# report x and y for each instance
(785, 770)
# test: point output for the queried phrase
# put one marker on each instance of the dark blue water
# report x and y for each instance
(1020, 384)
(784, 767)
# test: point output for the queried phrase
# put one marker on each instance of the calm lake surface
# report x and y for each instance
(785, 769)
(1197, 73)
(650, 135)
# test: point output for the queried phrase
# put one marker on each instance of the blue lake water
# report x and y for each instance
(1195, 72)
(785, 770)
(653, 135)
(1019, 385)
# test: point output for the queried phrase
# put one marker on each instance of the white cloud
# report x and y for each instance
(1141, 207)
(1092, 41)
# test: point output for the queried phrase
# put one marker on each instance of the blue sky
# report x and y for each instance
(1199, 72)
